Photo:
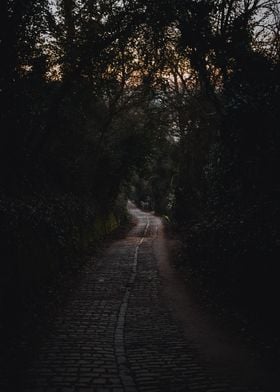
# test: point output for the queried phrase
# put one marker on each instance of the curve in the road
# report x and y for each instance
(130, 325)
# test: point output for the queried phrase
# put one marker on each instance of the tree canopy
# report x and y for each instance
(174, 103)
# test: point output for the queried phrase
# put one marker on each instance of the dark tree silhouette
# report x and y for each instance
(175, 103)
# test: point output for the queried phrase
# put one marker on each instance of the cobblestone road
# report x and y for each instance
(118, 333)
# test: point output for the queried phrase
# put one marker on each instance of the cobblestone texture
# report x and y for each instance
(117, 333)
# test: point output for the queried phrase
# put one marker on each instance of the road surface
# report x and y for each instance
(130, 326)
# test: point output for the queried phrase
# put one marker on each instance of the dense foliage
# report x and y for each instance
(74, 126)
(219, 84)
(175, 103)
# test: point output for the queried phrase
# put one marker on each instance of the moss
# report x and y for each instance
(102, 226)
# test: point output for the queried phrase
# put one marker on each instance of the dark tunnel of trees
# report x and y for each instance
(174, 104)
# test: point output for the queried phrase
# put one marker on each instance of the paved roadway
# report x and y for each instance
(120, 332)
